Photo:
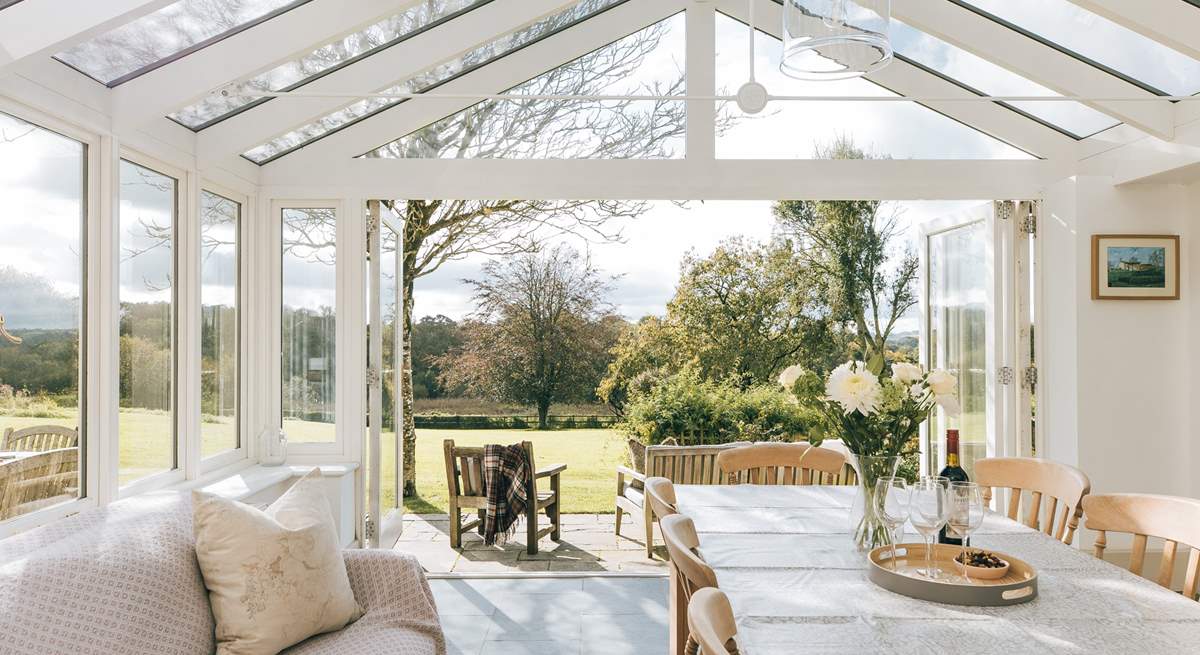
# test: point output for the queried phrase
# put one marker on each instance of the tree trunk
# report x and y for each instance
(406, 383)
(543, 408)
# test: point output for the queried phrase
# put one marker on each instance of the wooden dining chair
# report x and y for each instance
(711, 622)
(1057, 486)
(660, 494)
(1173, 519)
(779, 463)
(466, 490)
(691, 571)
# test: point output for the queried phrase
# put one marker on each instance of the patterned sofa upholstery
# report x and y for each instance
(124, 579)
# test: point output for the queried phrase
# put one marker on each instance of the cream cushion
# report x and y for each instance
(274, 577)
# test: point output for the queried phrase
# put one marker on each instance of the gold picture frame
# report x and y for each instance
(1135, 267)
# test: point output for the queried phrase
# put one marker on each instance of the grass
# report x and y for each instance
(476, 407)
(587, 485)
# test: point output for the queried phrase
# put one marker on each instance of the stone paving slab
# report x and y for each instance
(588, 544)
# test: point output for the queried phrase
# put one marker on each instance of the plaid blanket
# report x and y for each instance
(505, 472)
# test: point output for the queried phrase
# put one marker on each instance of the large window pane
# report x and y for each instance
(219, 218)
(328, 57)
(137, 47)
(309, 305)
(1100, 40)
(42, 184)
(147, 373)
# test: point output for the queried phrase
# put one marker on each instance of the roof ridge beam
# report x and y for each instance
(1038, 62)
(293, 33)
(412, 56)
(905, 79)
(34, 28)
(1170, 22)
(506, 72)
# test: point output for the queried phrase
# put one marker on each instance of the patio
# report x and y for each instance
(588, 545)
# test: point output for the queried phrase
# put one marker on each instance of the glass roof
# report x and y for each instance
(1083, 34)
(986, 78)
(140, 46)
(295, 73)
(430, 79)
(802, 130)
(8, 3)
(648, 62)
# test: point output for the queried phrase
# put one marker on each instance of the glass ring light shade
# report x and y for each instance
(835, 39)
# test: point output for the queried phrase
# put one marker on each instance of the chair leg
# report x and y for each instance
(531, 527)
(556, 517)
(455, 528)
(618, 531)
(482, 520)
(648, 517)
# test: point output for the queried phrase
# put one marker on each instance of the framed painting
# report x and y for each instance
(1135, 267)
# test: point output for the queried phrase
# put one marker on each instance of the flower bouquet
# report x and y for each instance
(877, 418)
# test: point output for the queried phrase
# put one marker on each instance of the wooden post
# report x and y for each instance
(677, 611)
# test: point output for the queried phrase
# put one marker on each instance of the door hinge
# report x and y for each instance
(1029, 224)
(1031, 376)
(368, 528)
(372, 376)
(1005, 209)
(1004, 375)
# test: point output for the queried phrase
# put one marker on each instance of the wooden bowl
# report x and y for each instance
(982, 572)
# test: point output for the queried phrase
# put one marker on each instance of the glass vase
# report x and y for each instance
(866, 527)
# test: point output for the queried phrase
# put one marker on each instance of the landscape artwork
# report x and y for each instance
(1134, 267)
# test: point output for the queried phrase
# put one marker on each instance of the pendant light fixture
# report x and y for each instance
(835, 39)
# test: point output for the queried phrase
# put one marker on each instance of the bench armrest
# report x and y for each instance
(553, 469)
(623, 471)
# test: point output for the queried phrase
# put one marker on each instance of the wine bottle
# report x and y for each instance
(955, 473)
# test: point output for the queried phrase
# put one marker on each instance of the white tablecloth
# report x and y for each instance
(784, 557)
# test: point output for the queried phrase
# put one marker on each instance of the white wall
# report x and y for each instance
(1120, 375)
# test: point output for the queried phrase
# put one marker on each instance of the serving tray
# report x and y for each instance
(1019, 586)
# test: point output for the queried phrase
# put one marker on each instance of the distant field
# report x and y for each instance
(475, 407)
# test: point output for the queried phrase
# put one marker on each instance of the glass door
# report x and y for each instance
(383, 519)
(960, 301)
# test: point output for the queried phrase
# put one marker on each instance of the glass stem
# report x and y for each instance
(929, 557)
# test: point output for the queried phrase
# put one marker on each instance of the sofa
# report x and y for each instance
(124, 579)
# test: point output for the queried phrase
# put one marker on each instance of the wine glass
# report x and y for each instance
(892, 498)
(928, 513)
(966, 514)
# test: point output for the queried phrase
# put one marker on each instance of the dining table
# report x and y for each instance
(785, 558)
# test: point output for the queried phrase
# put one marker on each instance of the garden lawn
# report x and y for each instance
(588, 484)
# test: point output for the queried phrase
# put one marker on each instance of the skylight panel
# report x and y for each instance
(805, 130)
(155, 39)
(987, 78)
(647, 62)
(296, 73)
(4, 4)
(430, 79)
(1099, 41)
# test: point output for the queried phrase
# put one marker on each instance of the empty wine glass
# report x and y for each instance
(892, 497)
(966, 514)
(928, 513)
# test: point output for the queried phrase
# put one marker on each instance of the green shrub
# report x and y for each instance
(695, 411)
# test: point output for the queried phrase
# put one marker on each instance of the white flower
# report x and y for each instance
(949, 404)
(906, 374)
(790, 374)
(917, 391)
(941, 382)
(855, 388)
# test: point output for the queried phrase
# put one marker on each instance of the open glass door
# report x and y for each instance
(383, 519)
(960, 306)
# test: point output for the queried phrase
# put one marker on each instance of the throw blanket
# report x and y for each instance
(505, 471)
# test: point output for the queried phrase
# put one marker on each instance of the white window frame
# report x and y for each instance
(94, 390)
(242, 451)
(186, 346)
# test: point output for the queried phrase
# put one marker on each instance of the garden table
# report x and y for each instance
(784, 557)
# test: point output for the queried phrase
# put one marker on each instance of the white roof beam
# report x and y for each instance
(668, 179)
(909, 80)
(504, 73)
(1037, 61)
(1170, 22)
(243, 131)
(1151, 159)
(292, 34)
(34, 28)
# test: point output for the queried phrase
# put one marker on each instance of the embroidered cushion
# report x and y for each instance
(274, 578)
